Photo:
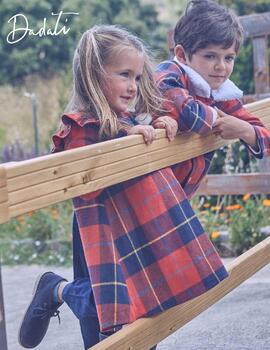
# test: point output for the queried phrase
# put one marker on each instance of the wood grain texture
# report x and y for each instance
(144, 333)
(256, 24)
(215, 185)
(39, 182)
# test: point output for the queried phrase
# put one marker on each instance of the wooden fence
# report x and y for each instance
(39, 182)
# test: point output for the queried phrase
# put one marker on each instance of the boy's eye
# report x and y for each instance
(230, 58)
(210, 56)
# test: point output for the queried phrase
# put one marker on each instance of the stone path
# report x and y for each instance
(240, 321)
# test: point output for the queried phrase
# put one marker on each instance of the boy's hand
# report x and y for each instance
(147, 131)
(229, 127)
(167, 123)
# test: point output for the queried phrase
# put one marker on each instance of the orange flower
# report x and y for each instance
(246, 197)
(215, 234)
(266, 202)
(233, 207)
(206, 205)
(217, 207)
(204, 212)
(55, 214)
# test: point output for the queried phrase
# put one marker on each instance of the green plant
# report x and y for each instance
(246, 224)
(41, 237)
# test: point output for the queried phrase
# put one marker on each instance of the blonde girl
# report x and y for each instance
(144, 250)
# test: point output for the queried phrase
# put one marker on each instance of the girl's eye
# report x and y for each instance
(124, 74)
(138, 78)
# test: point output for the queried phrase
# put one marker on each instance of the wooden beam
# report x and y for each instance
(39, 182)
(3, 334)
(261, 64)
(257, 24)
(144, 333)
(214, 185)
(4, 205)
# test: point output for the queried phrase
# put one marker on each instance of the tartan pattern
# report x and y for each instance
(193, 114)
(145, 248)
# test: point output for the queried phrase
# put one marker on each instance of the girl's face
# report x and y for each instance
(122, 78)
(213, 63)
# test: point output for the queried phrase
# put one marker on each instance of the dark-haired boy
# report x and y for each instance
(196, 85)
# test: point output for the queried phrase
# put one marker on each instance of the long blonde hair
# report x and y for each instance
(97, 47)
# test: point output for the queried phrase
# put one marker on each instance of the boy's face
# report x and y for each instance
(213, 63)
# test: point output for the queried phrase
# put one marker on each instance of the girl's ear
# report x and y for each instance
(180, 54)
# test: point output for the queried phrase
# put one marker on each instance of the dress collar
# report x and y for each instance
(227, 91)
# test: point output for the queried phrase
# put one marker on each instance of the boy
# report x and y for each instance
(196, 85)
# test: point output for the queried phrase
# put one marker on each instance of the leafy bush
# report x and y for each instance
(41, 237)
(241, 217)
(246, 224)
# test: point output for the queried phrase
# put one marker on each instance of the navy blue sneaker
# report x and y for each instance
(42, 307)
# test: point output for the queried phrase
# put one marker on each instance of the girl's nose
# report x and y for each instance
(132, 86)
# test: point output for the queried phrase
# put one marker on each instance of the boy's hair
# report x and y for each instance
(207, 23)
(98, 47)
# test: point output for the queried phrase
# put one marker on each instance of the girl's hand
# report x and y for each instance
(229, 127)
(167, 123)
(147, 131)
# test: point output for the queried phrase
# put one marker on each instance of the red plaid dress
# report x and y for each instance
(145, 249)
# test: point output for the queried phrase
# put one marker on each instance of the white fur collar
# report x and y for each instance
(227, 91)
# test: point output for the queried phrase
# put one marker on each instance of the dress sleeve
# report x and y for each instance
(72, 135)
(236, 109)
(190, 113)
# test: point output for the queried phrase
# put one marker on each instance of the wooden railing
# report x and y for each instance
(39, 182)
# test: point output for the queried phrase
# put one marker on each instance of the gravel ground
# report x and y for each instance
(240, 321)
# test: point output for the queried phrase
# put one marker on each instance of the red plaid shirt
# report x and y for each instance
(193, 115)
(145, 249)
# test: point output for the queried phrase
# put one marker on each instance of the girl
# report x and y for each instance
(144, 248)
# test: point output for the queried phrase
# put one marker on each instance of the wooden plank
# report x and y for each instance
(48, 161)
(88, 185)
(3, 333)
(256, 24)
(256, 106)
(235, 184)
(261, 64)
(3, 194)
(3, 180)
(4, 212)
(97, 176)
(4, 205)
(91, 162)
(144, 333)
(169, 154)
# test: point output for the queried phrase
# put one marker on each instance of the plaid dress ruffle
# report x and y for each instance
(145, 249)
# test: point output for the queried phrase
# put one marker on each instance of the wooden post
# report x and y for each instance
(4, 216)
(257, 27)
(261, 64)
(3, 334)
